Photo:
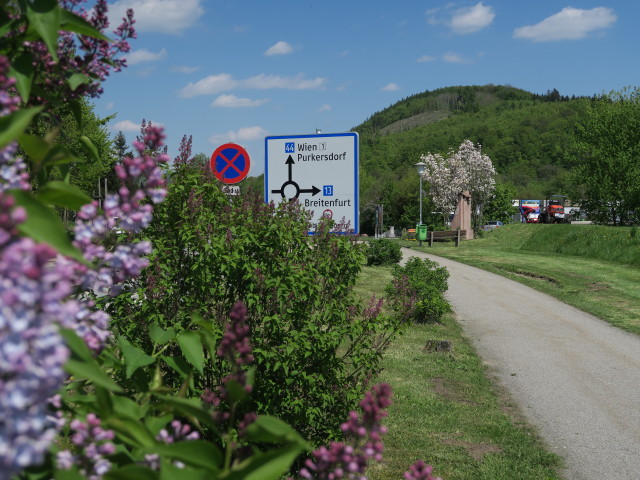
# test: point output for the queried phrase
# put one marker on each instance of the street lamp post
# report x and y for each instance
(420, 166)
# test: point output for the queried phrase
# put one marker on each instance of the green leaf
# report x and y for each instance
(155, 424)
(44, 16)
(131, 472)
(124, 406)
(235, 390)
(71, 22)
(77, 79)
(76, 344)
(134, 357)
(168, 471)
(178, 364)
(44, 226)
(273, 430)
(12, 125)
(71, 474)
(191, 407)
(197, 453)
(160, 336)
(44, 153)
(90, 146)
(76, 109)
(131, 431)
(22, 70)
(89, 370)
(192, 349)
(270, 466)
(62, 194)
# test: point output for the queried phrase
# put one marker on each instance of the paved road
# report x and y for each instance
(576, 378)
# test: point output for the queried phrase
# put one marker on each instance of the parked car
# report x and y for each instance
(491, 225)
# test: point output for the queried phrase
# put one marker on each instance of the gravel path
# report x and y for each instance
(576, 378)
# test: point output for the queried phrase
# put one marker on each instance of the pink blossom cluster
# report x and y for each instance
(93, 444)
(179, 432)
(466, 169)
(363, 434)
(127, 210)
(236, 348)
(32, 354)
(37, 295)
(12, 170)
(420, 471)
(93, 57)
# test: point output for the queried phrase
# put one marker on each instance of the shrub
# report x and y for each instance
(383, 252)
(417, 291)
(315, 347)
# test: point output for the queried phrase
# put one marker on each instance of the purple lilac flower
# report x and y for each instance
(179, 432)
(93, 57)
(93, 444)
(32, 353)
(36, 287)
(12, 170)
(236, 348)
(420, 471)
(363, 442)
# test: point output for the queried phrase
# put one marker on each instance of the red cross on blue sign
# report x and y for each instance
(230, 163)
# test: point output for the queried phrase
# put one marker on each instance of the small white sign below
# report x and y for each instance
(231, 189)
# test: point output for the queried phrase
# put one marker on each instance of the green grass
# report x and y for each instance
(447, 411)
(593, 268)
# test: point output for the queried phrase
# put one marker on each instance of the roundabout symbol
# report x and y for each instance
(293, 185)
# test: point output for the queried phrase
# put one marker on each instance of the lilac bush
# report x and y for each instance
(50, 325)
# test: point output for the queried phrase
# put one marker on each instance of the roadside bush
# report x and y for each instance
(416, 292)
(315, 346)
(383, 252)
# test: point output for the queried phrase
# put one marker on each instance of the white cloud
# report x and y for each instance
(184, 69)
(426, 58)
(325, 108)
(126, 126)
(209, 85)
(472, 19)
(280, 48)
(568, 24)
(224, 82)
(299, 82)
(109, 106)
(390, 87)
(144, 55)
(246, 134)
(231, 101)
(163, 16)
(451, 57)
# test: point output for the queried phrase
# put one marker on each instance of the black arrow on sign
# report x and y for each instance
(313, 190)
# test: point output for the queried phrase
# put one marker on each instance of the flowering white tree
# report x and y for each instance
(467, 169)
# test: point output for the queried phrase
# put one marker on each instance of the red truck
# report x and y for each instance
(553, 212)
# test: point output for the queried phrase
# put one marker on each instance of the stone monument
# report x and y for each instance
(462, 216)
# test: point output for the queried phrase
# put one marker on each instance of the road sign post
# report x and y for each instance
(319, 171)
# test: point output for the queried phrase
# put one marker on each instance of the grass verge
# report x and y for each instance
(447, 411)
(592, 268)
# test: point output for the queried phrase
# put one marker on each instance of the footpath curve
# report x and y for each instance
(575, 377)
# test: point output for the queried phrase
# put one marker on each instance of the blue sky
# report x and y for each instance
(237, 71)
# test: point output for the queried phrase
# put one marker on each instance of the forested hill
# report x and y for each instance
(527, 136)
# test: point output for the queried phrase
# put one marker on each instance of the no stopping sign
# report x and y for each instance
(230, 163)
